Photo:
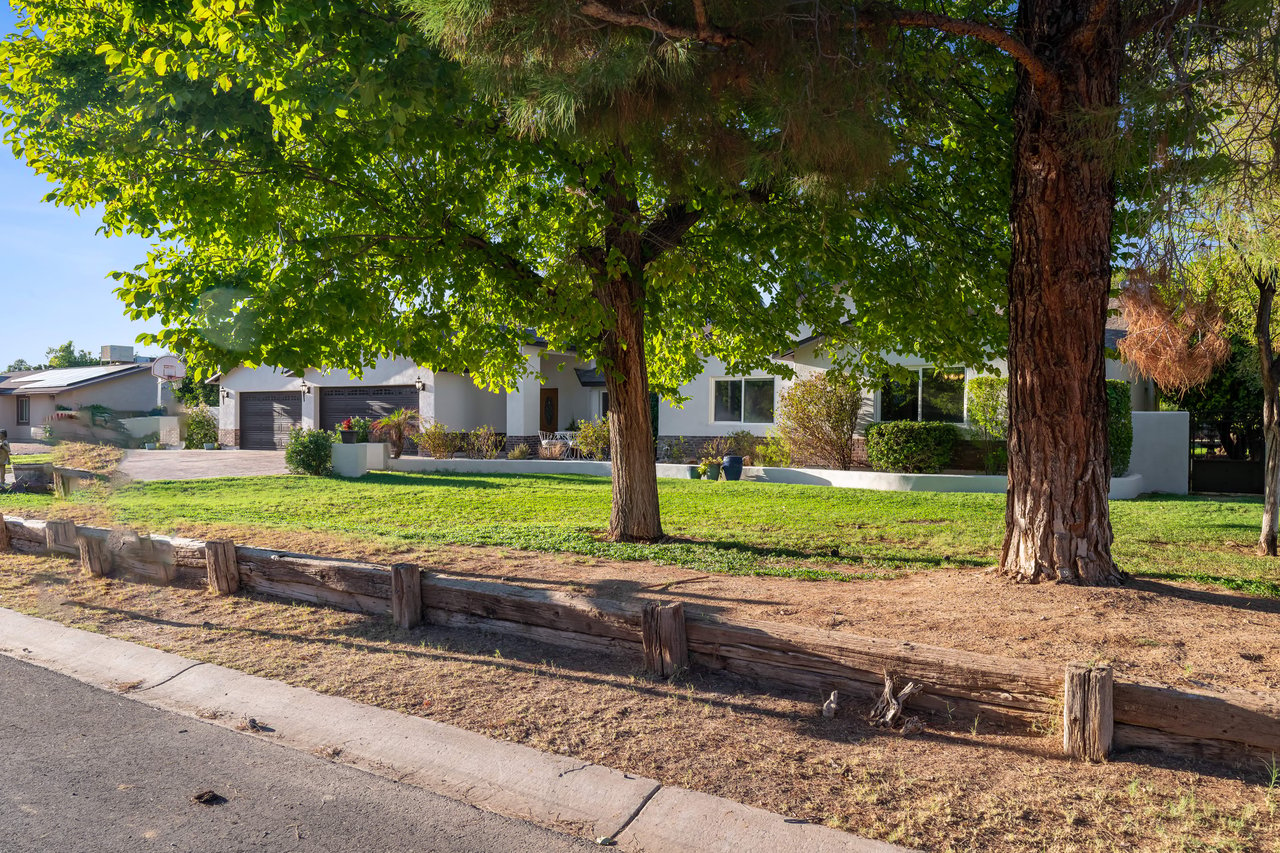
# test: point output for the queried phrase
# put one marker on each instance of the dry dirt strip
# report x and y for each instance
(639, 814)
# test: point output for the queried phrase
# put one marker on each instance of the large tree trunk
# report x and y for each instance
(1270, 415)
(635, 516)
(1057, 521)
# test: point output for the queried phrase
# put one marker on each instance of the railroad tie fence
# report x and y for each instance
(1099, 713)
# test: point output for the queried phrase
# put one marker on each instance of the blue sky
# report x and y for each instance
(53, 267)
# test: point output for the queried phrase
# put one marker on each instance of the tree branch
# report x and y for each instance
(704, 33)
(668, 229)
(1041, 74)
(869, 17)
(1166, 14)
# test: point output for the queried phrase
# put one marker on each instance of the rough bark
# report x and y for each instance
(635, 516)
(1057, 519)
(1270, 415)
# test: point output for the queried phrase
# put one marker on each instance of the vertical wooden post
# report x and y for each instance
(220, 563)
(675, 644)
(406, 595)
(95, 558)
(662, 635)
(60, 485)
(4, 535)
(60, 537)
(1088, 712)
(649, 639)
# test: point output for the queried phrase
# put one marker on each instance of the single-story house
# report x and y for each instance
(260, 405)
(31, 399)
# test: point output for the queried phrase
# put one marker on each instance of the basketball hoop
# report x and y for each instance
(169, 368)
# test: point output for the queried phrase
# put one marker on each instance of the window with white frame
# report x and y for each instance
(926, 394)
(742, 401)
(24, 411)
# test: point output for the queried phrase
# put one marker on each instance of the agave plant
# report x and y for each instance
(395, 428)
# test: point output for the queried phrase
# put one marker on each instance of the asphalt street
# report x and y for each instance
(82, 769)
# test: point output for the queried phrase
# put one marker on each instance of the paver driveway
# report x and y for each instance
(201, 464)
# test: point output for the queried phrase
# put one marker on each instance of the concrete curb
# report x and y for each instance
(506, 778)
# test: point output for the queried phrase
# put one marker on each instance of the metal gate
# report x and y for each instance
(1227, 454)
(338, 404)
(266, 418)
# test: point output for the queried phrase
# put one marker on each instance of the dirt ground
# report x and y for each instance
(960, 786)
(1182, 634)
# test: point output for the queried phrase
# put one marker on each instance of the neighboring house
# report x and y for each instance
(30, 399)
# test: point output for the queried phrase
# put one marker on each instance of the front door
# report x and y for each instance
(549, 410)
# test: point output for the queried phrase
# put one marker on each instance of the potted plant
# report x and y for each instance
(709, 468)
(348, 432)
(210, 445)
(732, 467)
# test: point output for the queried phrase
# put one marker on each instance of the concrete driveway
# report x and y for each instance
(201, 464)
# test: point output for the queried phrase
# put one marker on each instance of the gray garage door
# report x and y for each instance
(267, 417)
(338, 404)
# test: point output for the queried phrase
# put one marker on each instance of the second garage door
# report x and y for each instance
(338, 404)
(267, 417)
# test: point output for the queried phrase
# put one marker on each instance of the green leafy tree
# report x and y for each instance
(837, 83)
(68, 356)
(192, 392)
(325, 189)
(1217, 250)
(20, 364)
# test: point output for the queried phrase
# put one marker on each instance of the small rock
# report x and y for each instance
(208, 798)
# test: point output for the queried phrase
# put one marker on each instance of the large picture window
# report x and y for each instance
(24, 411)
(927, 394)
(742, 401)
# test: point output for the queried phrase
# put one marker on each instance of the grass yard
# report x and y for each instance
(735, 528)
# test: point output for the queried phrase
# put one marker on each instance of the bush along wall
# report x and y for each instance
(1119, 426)
(910, 447)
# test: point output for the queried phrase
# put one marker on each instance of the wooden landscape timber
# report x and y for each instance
(1099, 713)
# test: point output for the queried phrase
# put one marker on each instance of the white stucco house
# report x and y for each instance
(259, 405)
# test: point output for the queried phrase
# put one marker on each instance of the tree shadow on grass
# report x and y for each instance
(1150, 582)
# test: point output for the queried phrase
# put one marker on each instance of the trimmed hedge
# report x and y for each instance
(1119, 426)
(910, 447)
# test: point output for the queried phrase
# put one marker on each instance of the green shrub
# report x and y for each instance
(818, 418)
(484, 443)
(911, 447)
(771, 453)
(1119, 426)
(742, 442)
(520, 451)
(309, 451)
(435, 440)
(593, 438)
(202, 427)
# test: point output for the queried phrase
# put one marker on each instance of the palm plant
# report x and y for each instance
(395, 428)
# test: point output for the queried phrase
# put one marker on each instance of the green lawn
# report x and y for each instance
(804, 531)
(32, 458)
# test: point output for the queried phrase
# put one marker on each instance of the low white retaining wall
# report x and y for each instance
(1122, 488)
(356, 460)
(170, 428)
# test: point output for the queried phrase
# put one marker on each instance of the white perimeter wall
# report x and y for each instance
(1161, 442)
